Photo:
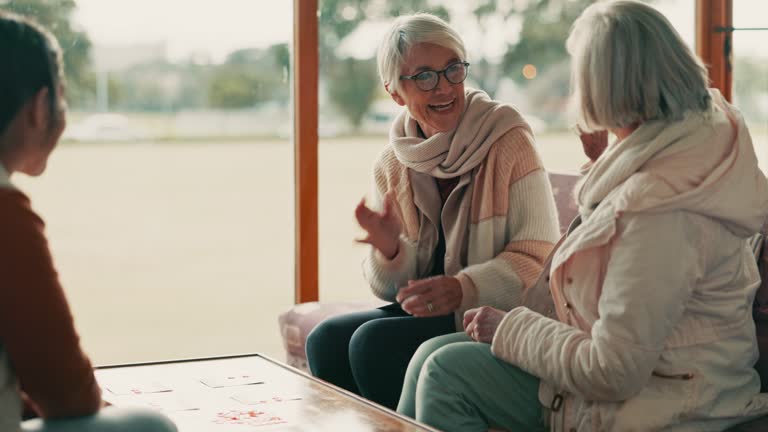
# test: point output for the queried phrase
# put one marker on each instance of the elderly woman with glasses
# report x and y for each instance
(651, 326)
(462, 214)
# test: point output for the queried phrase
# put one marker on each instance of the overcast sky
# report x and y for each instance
(215, 28)
(188, 26)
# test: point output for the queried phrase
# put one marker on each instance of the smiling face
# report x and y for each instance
(439, 109)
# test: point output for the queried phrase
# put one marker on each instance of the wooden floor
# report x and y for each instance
(285, 399)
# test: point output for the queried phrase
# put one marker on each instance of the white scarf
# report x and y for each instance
(457, 151)
(693, 164)
(452, 154)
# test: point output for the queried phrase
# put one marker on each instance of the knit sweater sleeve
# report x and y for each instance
(36, 326)
(386, 276)
(529, 221)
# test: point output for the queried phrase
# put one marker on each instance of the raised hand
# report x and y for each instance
(382, 228)
(481, 323)
(594, 143)
(435, 296)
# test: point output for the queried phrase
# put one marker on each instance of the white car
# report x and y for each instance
(105, 127)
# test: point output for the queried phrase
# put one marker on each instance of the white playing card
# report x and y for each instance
(264, 396)
(138, 388)
(171, 403)
(231, 380)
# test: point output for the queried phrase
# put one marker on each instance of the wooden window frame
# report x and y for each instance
(714, 20)
(305, 85)
(714, 24)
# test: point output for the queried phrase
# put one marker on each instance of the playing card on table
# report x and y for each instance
(231, 380)
(264, 396)
(137, 388)
(171, 403)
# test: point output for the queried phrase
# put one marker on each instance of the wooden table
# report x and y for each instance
(288, 400)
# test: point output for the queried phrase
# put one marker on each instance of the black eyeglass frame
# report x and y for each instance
(440, 72)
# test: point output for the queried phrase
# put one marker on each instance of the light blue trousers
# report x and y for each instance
(456, 384)
(110, 419)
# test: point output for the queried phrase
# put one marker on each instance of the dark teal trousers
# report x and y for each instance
(368, 352)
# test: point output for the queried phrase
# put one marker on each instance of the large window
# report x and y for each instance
(517, 55)
(169, 204)
(750, 71)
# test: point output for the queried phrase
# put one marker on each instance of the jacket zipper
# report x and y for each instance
(683, 376)
(557, 418)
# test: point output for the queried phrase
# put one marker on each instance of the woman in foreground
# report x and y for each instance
(43, 371)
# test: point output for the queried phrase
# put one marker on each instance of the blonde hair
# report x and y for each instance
(629, 66)
(407, 31)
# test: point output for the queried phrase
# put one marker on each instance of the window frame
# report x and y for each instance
(714, 24)
(305, 85)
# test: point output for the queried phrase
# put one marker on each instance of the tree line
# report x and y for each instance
(252, 77)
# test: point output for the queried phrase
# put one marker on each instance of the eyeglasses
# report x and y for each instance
(429, 79)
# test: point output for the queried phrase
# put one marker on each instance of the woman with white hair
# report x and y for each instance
(651, 327)
(462, 214)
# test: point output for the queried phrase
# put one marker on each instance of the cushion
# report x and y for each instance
(562, 189)
(296, 323)
(760, 307)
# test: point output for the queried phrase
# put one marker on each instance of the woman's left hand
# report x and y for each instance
(435, 296)
(481, 323)
(594, 144)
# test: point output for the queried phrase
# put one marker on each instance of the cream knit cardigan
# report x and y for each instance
(512, 225)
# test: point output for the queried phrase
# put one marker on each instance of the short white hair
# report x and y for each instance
(629, 66)
(407, 31)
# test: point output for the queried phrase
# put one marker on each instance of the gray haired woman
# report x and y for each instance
(462, 214)
(650, 326)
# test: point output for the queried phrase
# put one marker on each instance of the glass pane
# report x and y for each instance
(750, 71)
(169, 203)
(517, 52)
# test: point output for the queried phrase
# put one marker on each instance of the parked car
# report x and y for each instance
(105, 127)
